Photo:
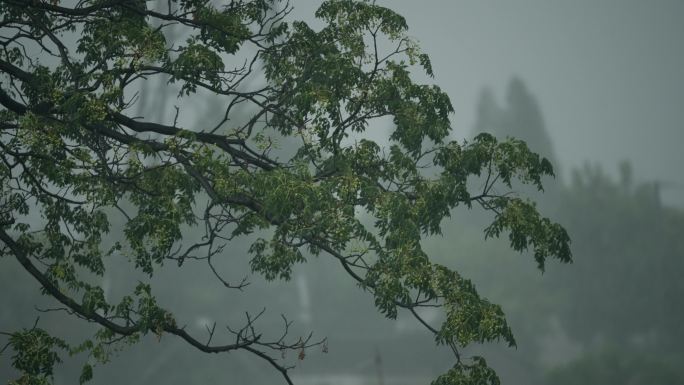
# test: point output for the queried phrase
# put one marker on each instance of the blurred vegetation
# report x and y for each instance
(612, 317)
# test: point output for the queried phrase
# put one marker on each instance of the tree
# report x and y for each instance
(521, 118)
(634, 280)
(75, 160)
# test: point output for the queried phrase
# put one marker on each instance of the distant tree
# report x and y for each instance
(630, 258)
(520, 118)
(618, 300)
(75, 161)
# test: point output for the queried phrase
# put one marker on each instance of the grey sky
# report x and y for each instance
(609, 75)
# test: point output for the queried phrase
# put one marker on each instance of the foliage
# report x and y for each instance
(75, 160)
(35, 355)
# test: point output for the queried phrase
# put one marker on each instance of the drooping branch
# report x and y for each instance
(244, 343)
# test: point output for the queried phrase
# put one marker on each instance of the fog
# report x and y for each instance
(608, 75)
(595, 86)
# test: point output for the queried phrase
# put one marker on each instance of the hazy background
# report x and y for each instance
(584, 82)
(608, 74)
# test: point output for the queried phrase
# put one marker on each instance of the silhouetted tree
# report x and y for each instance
(520, 118)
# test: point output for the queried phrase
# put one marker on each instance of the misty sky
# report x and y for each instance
(609, 75)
